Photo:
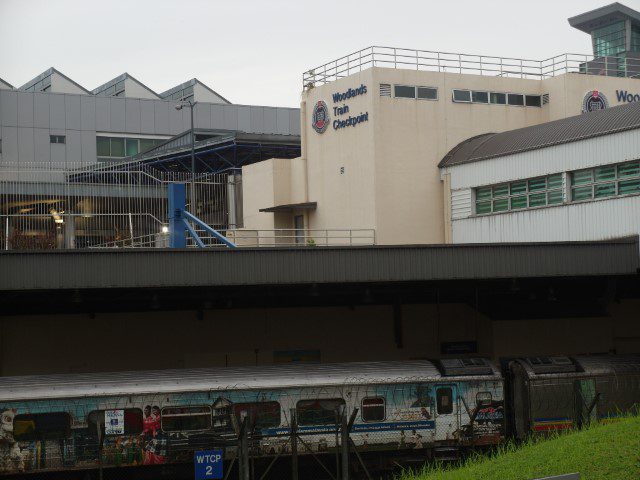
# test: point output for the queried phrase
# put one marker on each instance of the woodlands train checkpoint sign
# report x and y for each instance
(208, 464)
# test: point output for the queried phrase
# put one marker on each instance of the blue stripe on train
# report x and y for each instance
(359, 427)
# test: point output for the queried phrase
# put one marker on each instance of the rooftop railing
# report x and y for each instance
(426, 60)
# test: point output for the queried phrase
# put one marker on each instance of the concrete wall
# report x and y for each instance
(157, 340)
(383, 173)
(27, 119)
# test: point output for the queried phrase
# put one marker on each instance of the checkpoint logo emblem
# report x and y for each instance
(594, 101)
(320, 118)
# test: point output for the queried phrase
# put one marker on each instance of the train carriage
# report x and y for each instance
(76, 421)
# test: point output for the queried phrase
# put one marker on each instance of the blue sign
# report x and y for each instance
(208, 464)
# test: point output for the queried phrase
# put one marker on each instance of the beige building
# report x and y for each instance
(392, 115)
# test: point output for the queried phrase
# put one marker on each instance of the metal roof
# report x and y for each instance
(173, 268)
(571, 129)
(289, 207)
(6, 83)
(603, 16)
(594, 365)
(120, 78)
(208, 379)
(190, 83)
(48, 72)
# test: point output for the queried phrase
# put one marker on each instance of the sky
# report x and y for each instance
(255, 51)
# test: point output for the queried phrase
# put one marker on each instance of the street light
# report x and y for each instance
(180, 106)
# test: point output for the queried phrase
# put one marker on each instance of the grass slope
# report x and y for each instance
(610, 451)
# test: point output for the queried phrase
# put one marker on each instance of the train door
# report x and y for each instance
(586, 401)
(447, 411)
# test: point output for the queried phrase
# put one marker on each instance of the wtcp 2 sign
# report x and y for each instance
(208, 464)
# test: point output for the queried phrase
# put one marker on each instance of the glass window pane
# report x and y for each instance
(185, 418)
(554, 181)
(117, 147)
(501, 205)
(132, 146)
(554, 197)
(537, 200)
(515, 99)
(483, 193)
(261, 414)
(498, 98)
(461, 96)
(318, 412)
(604, 190)
(373, 409)
(518, 187)
(581, 193)
(581, 177)
(146, 144)
(604, 174)
(501, 190)
(537, 184)
(483, 207)
(41, 426)
(403, 91)
(518, 202)
(629, 186)
(444, 400)
(428, 93)
(480, 97)
(533, 101)
(629, 169)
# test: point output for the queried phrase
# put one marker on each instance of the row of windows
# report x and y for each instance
(588, 184)
(182, 95)
(414, 91)
(609, 40)
(115, 90)
(43, 426)
(499, 98)
(43, 85)
(118, 147)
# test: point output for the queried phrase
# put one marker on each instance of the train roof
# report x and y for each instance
(581, 365)
(223, 378)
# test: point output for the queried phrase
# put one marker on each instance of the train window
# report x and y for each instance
(373, 409)
(444, 400)
(483, 398)
(261, 414)
(184, 419)
(321, 411)
(132, 421)
(41, 426)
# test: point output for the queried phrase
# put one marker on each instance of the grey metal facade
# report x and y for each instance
(27, 119)
(87, 269)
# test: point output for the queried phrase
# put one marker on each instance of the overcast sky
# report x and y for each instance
(254, 51)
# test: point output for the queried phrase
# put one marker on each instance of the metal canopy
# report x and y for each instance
(290, 207)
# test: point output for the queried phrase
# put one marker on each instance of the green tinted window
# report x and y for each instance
(631, 169)
(518, 202)
(581, 177)
(518, 187)
(117, 147)
(604, 174)
(483, 207)
(501, 190)
(629, 186)
(103, 147)
(132, 147)
(146, 144)
(537, 184)
(554, 197)
(604, 190)
(483, 193)
(537, 200)
(582, 193)
(554, 181)
(501, 205)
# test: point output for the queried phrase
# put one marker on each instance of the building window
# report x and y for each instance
(444, 400)
(184, 419)
(183, 95)
(132, 421)
(57, 138)
(260, 414)
(515, 99)
(43, 85)
(41, 426)
(606, 181)
(533, 100)
(319, 411)
(110, 148)
(373, 409)
(114, 90)
(427, 93)
(479, 97)
(498, 98)
(521, 194)
(609, 40)
(404, 91)
(462, 96)
(411, 91)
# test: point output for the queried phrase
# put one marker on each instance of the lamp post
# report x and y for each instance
(180, 106)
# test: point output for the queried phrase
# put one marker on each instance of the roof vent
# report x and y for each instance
(465, 366)
(551, 364)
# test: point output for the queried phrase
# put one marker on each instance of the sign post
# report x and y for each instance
(208, 464)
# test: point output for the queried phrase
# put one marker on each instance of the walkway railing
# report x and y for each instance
(260, 238)
(426, 60)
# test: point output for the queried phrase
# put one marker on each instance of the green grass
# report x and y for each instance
(607, 451)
